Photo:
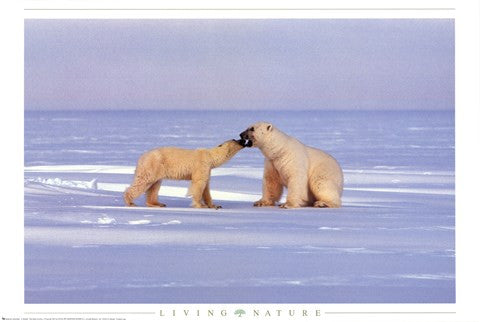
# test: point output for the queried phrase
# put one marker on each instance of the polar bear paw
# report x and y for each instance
(263, 203)
(331, 204)
(156, 204)
(288, 205)
(202, 205)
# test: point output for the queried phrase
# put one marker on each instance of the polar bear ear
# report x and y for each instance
(269, 127)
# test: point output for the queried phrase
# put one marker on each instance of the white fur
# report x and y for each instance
(312, 177)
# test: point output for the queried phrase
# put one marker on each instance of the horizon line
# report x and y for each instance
(238, 110)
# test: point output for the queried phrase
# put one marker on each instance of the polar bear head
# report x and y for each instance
(225, 151)
(257, 134)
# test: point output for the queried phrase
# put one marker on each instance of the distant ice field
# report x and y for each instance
(393, 241)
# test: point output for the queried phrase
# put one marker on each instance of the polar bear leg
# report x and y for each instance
(325, 194)
(297, 195)
(199, 182)
(134, 191)
(152, 195)
(196, 190)
(208, 198)
(272, 188)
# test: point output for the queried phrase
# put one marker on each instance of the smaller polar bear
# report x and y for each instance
(312, 177)
(179, 164)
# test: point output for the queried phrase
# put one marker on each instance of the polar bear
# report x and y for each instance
(312, 177)
(179, 164)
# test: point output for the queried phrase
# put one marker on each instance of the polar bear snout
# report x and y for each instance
(244, 135)
(246, 138)
(244, 143)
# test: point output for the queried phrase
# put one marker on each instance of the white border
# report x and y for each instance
(466, 14)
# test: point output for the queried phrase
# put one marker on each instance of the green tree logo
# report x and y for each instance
(239, 312)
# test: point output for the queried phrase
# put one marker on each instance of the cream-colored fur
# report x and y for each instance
(179, 164)
(312, 177)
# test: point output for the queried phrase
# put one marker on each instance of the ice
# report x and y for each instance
(172, 222)
(393, 241)
(139, 222)
(329, 228)
(106, 220)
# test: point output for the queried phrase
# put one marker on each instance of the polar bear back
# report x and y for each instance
(172, 162)
(323, 165)
(289, 155)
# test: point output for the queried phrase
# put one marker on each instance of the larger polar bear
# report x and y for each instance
(179, 164)
(312, 177)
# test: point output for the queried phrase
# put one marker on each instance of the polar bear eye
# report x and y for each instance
(220, 145)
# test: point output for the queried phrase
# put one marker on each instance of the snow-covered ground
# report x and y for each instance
(393, 241)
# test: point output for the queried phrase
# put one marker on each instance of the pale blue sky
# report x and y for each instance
(239, 64)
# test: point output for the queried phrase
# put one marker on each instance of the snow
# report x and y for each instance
(393, 241)
(139, 222)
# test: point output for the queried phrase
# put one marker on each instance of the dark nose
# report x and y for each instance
(242, 142)
(244, 135)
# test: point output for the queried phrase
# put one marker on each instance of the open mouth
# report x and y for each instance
(245, 137)
(244, 142)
